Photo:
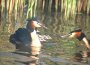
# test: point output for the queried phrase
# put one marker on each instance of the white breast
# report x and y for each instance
(35, 39)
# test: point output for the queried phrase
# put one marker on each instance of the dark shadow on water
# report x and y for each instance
(21, 53)
(78, 57)
(26, 63)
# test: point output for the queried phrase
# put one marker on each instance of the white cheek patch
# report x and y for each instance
(36, 24)
(72, 35)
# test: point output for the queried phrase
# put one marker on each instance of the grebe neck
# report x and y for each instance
(85, 40)
(30, 29)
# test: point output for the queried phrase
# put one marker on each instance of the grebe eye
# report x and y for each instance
(70, 33)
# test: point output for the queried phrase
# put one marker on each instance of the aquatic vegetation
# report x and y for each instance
(66, 7)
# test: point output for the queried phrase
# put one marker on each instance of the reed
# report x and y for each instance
(66, 7)
(0, 12)
(31, 4)
(88, 7)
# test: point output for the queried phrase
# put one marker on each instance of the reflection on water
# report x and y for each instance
(55, 47)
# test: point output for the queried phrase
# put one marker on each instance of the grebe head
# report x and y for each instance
(75, 33)
(33, 23)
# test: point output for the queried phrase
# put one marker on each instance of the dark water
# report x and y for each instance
(57, 25)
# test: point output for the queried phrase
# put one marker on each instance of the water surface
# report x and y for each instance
(57, 25)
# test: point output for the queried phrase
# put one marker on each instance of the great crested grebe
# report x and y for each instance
(27, 38)
(81, 37)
